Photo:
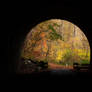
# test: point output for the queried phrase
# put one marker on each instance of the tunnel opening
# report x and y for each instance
(54, 44)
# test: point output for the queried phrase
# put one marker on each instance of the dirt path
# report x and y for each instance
(56, 66)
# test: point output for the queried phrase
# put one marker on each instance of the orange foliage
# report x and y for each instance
(44, 43)
(42, 35)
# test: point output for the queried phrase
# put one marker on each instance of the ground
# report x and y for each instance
(56, 66)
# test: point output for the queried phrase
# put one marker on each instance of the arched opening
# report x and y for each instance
(54, 44)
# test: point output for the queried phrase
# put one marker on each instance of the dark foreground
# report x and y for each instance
(54, 75)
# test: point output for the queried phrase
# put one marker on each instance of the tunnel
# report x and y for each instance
(59, 43)
(23, 28)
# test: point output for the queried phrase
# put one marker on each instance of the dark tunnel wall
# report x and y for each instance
(28, 19)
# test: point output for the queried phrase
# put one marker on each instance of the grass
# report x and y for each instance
(85, 62)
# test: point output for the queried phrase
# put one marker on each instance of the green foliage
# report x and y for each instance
(68, 56)
(53, 34)
(51, 27)
(84, 61)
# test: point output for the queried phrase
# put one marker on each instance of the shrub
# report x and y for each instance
(70, 57)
